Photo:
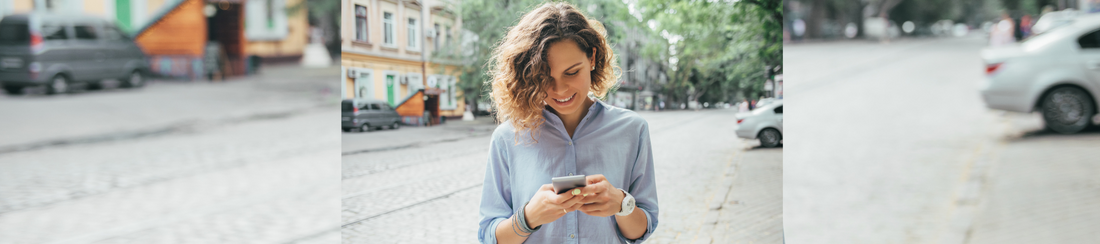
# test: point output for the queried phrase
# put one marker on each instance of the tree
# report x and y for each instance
(721, 47)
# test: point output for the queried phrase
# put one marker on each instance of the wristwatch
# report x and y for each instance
(628, 204)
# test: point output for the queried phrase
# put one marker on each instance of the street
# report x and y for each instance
(423, 185)
(891, 143)
(247, 160)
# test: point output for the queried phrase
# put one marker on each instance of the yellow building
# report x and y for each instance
(269, 31)
(387, 50)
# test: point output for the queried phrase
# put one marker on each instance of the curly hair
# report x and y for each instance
(519, 70)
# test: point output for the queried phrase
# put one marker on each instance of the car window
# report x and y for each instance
(1090, 40)
(86, 32)
(366, 106)
(386, 107)
(54, 32)
(779, 110)
(112, 33)
(374, 106)
(14, 34)
(347, 107)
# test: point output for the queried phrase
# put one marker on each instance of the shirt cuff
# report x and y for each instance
(491, 232)
(650, 225)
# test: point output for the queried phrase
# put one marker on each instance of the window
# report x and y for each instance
(15, 34)
(413, 34)
(375, 106)
(387, 24)
(448, 32)
(54, 32)
(361, 23)
(385, 107)
(779, 110)
(85, 32)
(435, 39)
(112, 33)
(1090, 40)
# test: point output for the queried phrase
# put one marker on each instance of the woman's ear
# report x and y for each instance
(592, 59)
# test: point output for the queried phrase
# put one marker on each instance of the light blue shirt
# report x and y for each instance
(610, 141)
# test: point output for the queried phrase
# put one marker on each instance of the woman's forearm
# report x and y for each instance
(506, 235)
(632, 226)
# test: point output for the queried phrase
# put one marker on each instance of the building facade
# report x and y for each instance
(388, 48)
(268, 31)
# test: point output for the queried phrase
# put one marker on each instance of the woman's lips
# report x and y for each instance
(567, 101)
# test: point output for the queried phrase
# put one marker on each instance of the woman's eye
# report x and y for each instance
(574, 73)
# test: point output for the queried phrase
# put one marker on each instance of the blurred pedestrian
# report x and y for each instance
(1004, 32)
(1025, 25)
(541, 84)
(743, 106)
(752, 104)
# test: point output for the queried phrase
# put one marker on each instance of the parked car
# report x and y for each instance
(764, 123)
(1053, 20)
(368, 114)
(62, 50)
(1056, 73)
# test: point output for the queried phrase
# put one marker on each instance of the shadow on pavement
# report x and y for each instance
(1093, 130)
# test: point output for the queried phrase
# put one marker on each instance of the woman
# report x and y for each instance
(543, 72)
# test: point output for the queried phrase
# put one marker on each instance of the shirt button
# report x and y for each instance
(570, 235)
(570, 173)
(570, 143)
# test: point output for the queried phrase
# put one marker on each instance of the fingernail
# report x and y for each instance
(576, 191)
(586, 194)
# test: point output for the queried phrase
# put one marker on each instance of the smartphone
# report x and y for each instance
(565, 183)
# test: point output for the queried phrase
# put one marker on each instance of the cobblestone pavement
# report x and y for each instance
(893, 145)
(1044, 187)
(429, 192)
(227, 168)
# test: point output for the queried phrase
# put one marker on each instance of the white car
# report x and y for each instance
(765, 122)
(1053, 20)
(1056, 73)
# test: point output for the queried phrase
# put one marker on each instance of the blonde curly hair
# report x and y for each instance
(520, 73)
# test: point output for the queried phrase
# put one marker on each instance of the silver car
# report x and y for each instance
(764, 123)
(1056, 73)
(62, 50)
(368, 114)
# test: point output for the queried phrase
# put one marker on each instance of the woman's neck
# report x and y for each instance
(570, 121)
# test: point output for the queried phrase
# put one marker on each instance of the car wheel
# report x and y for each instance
(136, 79)
(770, 137)
(14, 90)
(364, 128)
(1067, 110)
(58, 85)
(395, 125)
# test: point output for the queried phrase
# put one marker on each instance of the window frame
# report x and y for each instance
(388, 30)
(362, 23)
(413, 35)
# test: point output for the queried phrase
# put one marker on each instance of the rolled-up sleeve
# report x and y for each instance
(643, 185)
(496, 200)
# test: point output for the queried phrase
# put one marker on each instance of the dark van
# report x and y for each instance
(367, 114)
(62, 50)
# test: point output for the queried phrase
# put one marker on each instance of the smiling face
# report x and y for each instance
(572, 72)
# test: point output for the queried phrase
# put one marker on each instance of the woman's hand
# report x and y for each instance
(607, 200)
(547, 206)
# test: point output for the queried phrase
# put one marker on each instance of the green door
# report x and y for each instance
(389, 90)
(122, 14)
